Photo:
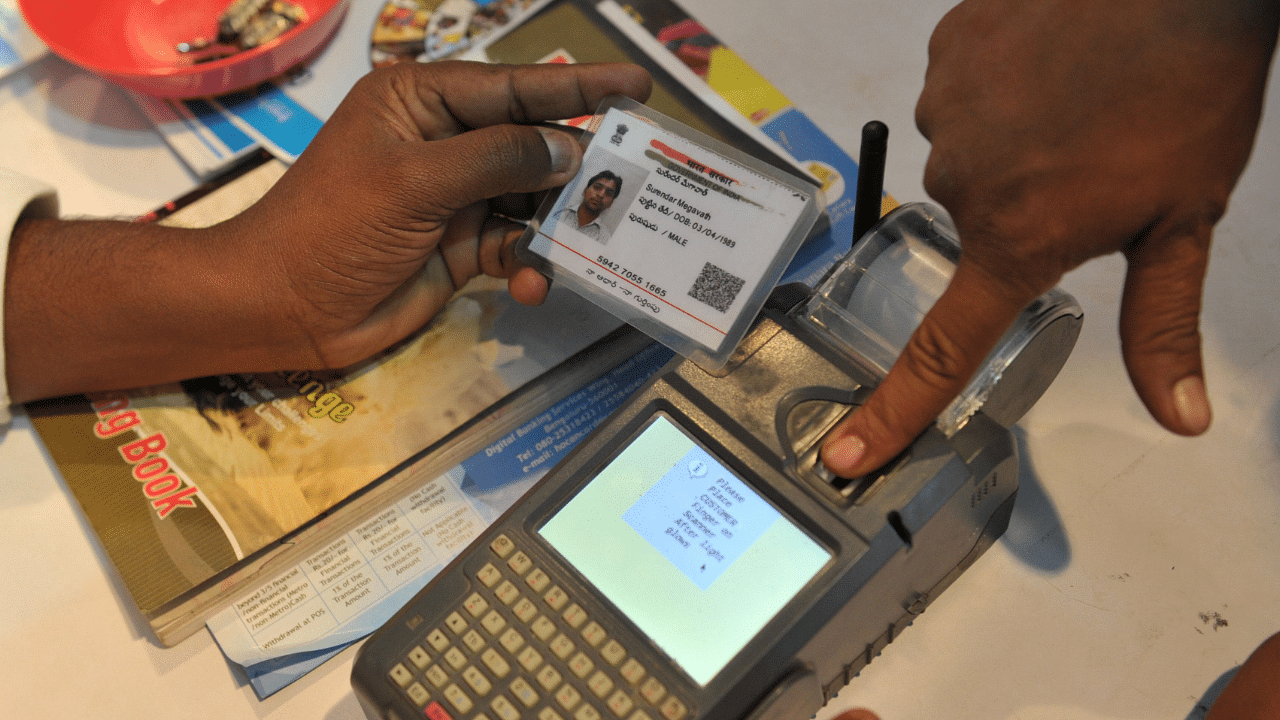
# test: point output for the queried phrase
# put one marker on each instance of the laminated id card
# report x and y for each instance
(674, 232)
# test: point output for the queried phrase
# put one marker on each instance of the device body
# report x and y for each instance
(904, 538)
(692, 558)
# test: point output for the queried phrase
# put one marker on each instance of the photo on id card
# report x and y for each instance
(672, 231)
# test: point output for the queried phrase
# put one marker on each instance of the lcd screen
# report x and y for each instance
(695, 557)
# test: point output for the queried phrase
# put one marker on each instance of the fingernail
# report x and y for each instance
(561, 147)
(1192, 404)
(843, 454)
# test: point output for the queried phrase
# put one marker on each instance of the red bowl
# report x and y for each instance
(134, 42)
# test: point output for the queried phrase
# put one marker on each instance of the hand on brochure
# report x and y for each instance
(1062, 131)
(398, 201)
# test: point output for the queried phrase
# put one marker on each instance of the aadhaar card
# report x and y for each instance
(671, 230)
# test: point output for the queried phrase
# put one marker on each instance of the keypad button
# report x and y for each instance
(548, 713)
(456, 623)
(620, 703)
(511, 641)
(556, 598)
(639, 715)
(507, 592)
(537, 580)
(455, 658)
(653, 691)
(561, 646)
(632, 671)
(525, 609)
(418, 694)
(437, 675)
(549, 678)
(600, 684)
(519, 563)
(568, 696)
(474, 641)
(438, 640)
(575, 616)
(613, 652)
(458, 698)
(480, 684)
(401, 674)
(493, 622)
(673, 709)
(593, 634)
(419, 657)
(496, 663)
(476, 605)
(529, 659)
(524, 692)
(581, 665)
(543, 628)
(503, 708)
(502, 546)
(489, 575)
(586, 712)
(436, 711)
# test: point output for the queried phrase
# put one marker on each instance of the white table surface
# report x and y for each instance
(1138, 570)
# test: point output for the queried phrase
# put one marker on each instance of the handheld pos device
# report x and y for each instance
(692, 558)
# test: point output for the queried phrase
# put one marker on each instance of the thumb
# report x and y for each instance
(489, 162)
(952, 341)
(1159, 328)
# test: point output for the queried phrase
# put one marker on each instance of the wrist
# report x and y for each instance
(96, 305)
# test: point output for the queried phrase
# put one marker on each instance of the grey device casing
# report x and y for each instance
(898, 537)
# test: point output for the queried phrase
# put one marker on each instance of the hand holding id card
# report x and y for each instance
(675, 232)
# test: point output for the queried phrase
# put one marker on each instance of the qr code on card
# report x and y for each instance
(716, 287)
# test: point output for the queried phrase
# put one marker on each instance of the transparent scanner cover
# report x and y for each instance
(875, 298)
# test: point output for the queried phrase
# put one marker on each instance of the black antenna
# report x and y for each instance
(866, 208)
